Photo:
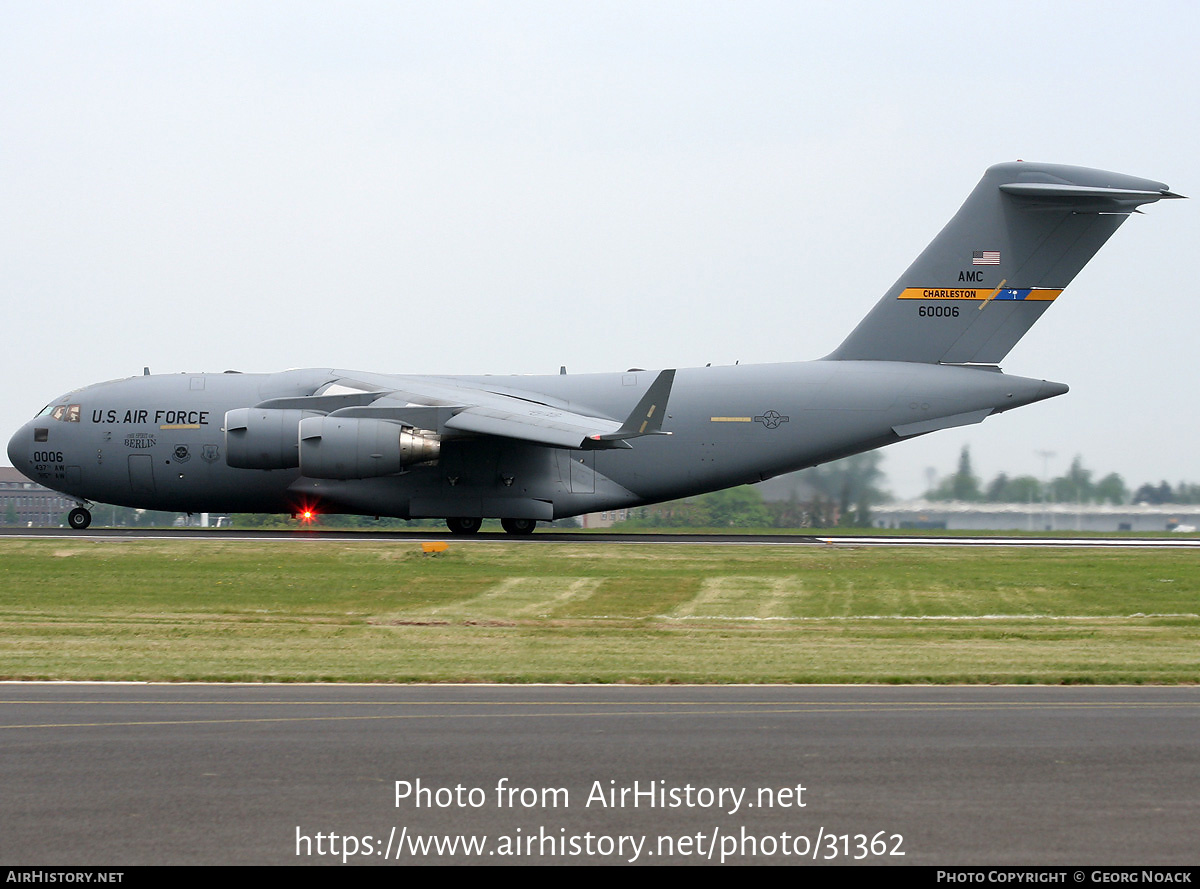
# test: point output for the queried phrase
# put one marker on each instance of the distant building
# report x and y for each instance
(604, 519)
(27, 504)
(957, 515)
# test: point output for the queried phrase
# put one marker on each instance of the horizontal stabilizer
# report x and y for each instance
(1112, 200)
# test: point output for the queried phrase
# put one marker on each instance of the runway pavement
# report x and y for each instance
(109, 775)
(311, 534)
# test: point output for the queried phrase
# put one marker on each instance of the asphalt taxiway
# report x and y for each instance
(125, 774)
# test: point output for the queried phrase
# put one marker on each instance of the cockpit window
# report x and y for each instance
(64, 413)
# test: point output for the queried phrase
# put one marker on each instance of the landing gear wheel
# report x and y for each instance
(521, 527)
(79, 518)
(464, 526)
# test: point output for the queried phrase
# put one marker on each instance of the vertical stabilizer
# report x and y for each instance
(1018, 240)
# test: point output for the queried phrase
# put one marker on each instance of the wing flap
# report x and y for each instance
(531, 422)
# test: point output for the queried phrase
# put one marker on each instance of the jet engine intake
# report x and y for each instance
(263, 438)
(351, 447)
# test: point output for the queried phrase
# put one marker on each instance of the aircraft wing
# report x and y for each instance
(479, 411)
(531, 421)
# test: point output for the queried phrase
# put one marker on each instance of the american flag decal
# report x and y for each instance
(985, 257)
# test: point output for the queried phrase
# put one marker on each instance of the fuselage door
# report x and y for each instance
(141, 474)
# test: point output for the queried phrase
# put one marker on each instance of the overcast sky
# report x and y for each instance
(506, 187)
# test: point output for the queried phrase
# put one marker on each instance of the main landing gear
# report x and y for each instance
(464, 526)
(79, 518)
(516, 527)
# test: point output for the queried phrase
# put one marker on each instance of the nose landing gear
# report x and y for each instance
(79, 518)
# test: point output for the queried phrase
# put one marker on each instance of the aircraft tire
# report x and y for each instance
(518, 527)
(79, 518)
(464, 525)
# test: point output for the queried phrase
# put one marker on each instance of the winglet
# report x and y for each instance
(647, 417)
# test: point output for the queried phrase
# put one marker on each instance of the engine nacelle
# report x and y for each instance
(348, 447)
(262, 438)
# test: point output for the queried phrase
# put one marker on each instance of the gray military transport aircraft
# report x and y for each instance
(525, 449)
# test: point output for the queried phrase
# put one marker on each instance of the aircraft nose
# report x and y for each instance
(17, 454)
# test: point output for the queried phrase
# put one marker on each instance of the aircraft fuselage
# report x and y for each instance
(159, 441)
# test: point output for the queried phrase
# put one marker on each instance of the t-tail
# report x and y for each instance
(1014, 245)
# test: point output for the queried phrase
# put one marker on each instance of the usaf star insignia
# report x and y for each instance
(771, 419)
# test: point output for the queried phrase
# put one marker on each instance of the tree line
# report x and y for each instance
(840, 493)
(1076, 485)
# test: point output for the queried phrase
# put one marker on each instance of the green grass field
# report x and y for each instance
(380, 611)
